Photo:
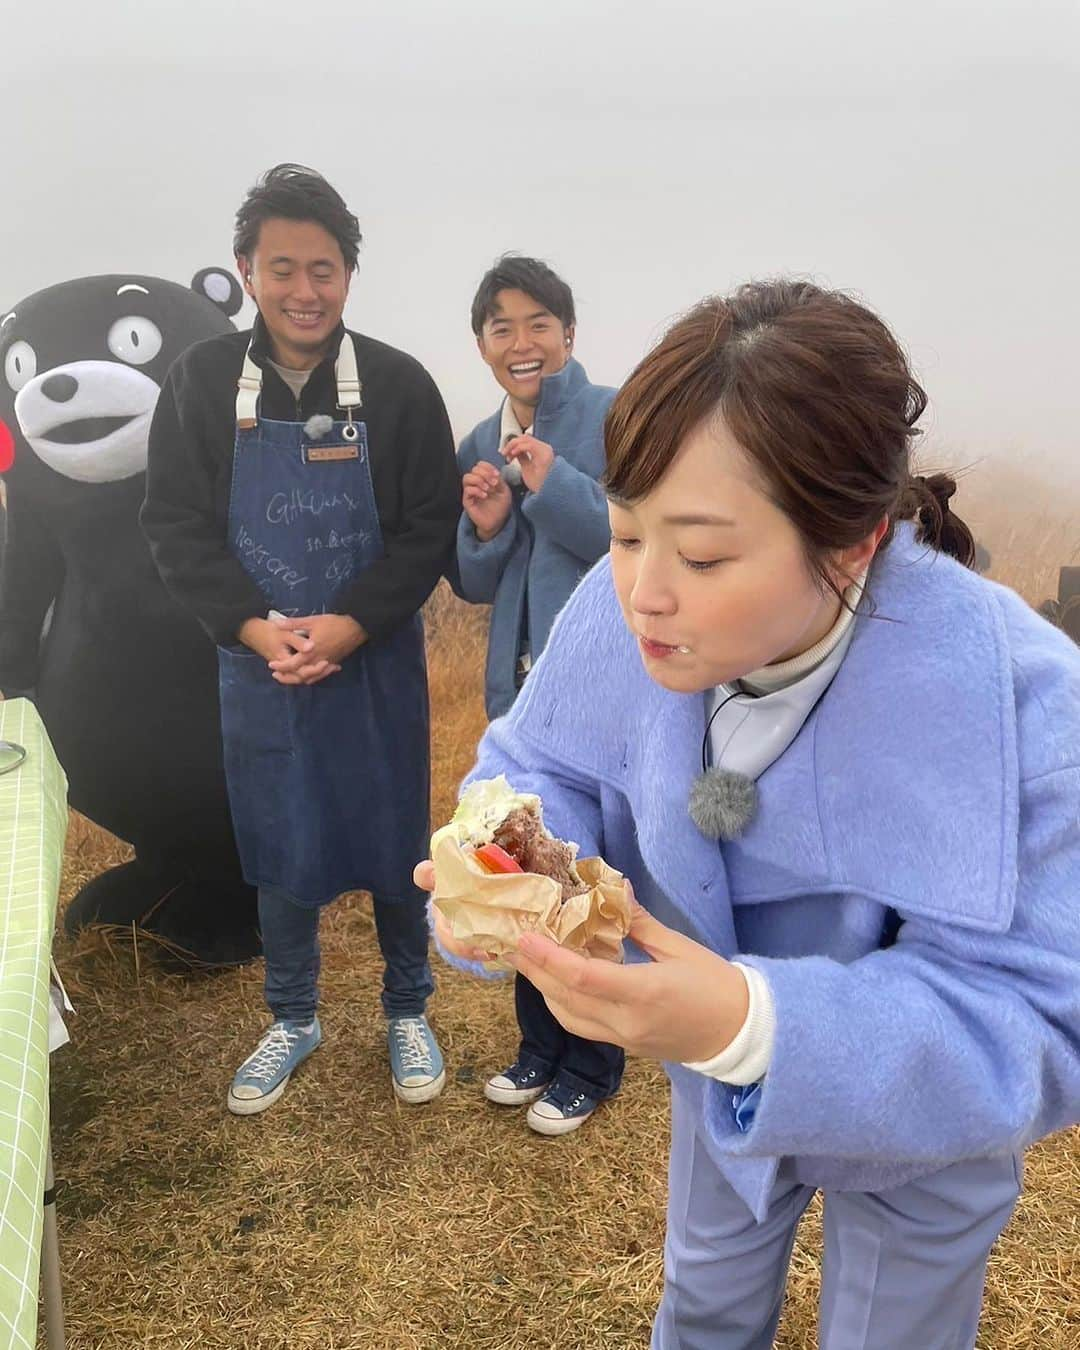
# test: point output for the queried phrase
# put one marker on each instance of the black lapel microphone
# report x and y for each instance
(722, 802)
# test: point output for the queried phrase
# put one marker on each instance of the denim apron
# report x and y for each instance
(328, 783)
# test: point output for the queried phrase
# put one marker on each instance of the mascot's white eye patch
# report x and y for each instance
(217, 287)
(135, 339)
(20, 365)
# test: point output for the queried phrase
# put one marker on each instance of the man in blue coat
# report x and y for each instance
(534, 521)
(535, 517)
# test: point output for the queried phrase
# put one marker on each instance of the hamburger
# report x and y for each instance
(503, 831)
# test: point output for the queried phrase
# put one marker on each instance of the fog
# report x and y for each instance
(922, 155)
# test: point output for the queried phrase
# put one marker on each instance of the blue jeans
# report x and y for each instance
(290, 933)
(592, 1067)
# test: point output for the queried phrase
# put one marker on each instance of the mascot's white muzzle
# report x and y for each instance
(89, 420)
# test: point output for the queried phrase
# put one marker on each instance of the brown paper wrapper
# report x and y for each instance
(490, 911)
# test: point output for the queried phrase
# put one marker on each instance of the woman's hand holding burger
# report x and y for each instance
(424, 876)
(685, 1004)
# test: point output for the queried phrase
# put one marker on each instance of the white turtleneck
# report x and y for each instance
(756, 719)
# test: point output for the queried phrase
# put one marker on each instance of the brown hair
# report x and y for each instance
(816, 391)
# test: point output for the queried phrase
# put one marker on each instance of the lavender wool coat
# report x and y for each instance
(909, 887)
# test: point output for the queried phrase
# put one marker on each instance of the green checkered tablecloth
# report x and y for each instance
(33, 823)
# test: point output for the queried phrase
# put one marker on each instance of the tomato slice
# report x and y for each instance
(492, 858)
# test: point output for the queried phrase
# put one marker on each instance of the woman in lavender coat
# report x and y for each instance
(842, 772)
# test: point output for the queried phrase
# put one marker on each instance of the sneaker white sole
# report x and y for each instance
(415, 1095)
(554, 1128)
(251, 1106)
(514, 1096)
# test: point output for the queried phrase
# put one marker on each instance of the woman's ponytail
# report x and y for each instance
(926, 500)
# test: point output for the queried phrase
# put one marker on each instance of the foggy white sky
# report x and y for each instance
(921, 154)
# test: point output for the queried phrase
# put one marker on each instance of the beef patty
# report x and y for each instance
(533, 849)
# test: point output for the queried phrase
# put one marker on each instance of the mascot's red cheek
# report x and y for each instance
(7, 448)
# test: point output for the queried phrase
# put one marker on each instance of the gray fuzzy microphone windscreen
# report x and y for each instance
(317, 425)
(722, 803)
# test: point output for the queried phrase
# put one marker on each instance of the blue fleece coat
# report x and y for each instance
(909, 887)
(551, 538)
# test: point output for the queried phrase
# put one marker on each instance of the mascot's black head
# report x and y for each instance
(82, 365)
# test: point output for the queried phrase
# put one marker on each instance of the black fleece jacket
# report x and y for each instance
(189, 472)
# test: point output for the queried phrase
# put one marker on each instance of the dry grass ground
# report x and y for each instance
(341, 1220)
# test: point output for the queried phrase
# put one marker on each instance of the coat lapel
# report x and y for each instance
(663, 757)
(902, 785)
(917, 758)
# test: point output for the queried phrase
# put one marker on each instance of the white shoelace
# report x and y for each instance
(274, 1047)
(412, 1043)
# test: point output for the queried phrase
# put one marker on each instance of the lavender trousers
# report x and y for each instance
(903, 1269)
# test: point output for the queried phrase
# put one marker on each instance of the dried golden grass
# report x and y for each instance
(341, 1220)
(1027, 516)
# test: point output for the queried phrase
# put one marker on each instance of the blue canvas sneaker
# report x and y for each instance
(416, 1062)
(517, 1085)
(265, 1074)
(560, 1110)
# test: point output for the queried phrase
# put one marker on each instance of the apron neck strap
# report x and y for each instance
(249, 385)
(247, 398)
(348, 380)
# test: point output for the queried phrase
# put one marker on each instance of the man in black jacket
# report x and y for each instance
(302, 501)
